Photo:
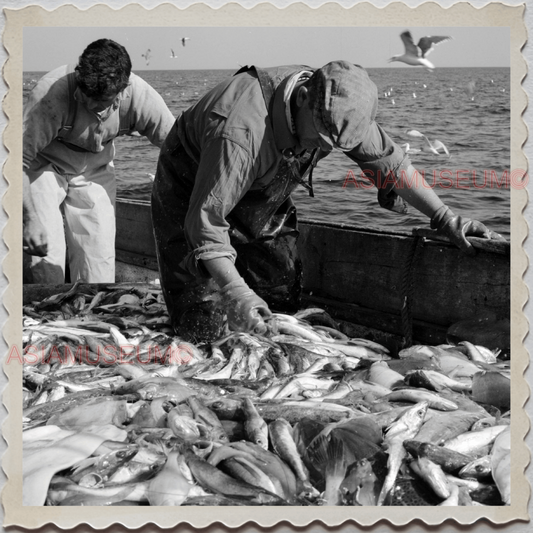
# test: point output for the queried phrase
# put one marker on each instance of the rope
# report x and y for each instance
(407, 290)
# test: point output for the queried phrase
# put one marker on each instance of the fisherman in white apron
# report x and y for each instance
(224, 223)
(70, 121)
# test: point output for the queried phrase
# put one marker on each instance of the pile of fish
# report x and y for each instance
(120, 411)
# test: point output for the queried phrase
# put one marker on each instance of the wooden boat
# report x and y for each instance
(392, 285)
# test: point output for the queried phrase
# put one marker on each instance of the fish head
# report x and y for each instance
(262, 441)
(124, 455)
(416, 414)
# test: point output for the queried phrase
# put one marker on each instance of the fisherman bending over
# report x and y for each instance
(224, 222)
(70, 121)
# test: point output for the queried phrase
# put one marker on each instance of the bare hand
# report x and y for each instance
(34, 239)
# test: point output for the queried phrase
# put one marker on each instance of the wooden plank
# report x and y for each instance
(127, 272)
(142, 260)
(359, 268)
(134, 227)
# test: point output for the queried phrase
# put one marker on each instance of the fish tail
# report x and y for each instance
(387, 486)
(317, 450)
(336, 457)
(335, 470)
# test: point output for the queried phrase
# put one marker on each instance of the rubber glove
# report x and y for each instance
(456, 228)
(246, 311)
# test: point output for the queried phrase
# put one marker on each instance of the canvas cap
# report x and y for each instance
(345, 102)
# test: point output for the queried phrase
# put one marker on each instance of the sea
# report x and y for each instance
(466, 109)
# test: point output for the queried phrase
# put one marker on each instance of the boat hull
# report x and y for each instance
(363, 275)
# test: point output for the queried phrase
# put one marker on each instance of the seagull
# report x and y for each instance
(184, 40)
(407, 149)
(434, 146)
(172, 54)
(147, 55)
(416, 54)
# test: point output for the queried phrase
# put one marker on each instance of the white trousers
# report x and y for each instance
(78, 213)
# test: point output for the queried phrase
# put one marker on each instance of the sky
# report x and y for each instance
(45, 48)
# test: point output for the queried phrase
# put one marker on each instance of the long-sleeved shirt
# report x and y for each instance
(86, 143)
(238, 145)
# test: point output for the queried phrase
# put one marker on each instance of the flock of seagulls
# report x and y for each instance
(148, 54)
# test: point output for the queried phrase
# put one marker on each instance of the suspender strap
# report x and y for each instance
(267, 86)
(71, 80)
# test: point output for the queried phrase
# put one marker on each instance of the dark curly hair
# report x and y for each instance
(104, 67)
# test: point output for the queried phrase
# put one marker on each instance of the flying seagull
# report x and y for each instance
(147, 55)
(172, 54)
(434, 146)
(184, 40)
(416, 54)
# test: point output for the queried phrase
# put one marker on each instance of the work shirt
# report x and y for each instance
(237, 145)
(87, 142)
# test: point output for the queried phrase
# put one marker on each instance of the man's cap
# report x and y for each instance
(345, 102)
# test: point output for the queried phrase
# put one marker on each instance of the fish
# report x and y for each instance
(73, 494)
(449, 460)
(470, 484)
(227, 408)
(367, 387)
(315, 315)
(182, 425)
(214, 480)
(307, 371)
(150, 414)
(436, 381)
(433, 475)
(492, 388)
(293, 411)
(280, 433)
(169, 486)
(241, 468)
(453, 498)
(279, 472)
(133, 472)
(479, 469)
(435, 401)
(380, 374)
(213, 500)
(500, 460)
(447, 425)
(303, 383)
(479, 354)
(471, 442)
(255, 428)
(405, 428)
(104, 465)
(296, 329)
(455, 365)
(361, 486)
(93, 412)
(207, 420)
